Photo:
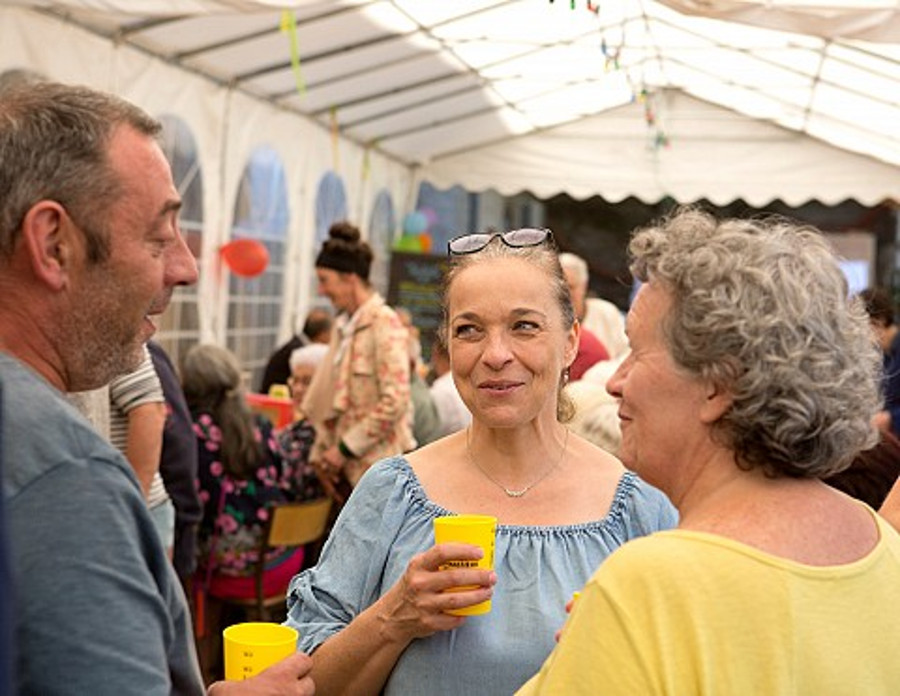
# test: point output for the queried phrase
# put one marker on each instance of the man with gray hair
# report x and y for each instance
(601, 317)
(90, 250)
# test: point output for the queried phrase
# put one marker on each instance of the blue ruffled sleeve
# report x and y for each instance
(349, 575)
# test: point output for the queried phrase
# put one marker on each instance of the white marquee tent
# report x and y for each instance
(718, 99)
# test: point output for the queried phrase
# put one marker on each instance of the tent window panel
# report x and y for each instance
(331, 207)
(255, 303)
(179, 325)
(382, 224)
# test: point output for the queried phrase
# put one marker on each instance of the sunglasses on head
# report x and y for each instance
(470, 243)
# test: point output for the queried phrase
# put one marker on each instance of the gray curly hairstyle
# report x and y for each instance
(761, 309)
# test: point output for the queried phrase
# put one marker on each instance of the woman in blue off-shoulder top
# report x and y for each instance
(373, 611)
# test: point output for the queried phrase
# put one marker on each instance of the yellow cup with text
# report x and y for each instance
(479, 530)
(252, 647)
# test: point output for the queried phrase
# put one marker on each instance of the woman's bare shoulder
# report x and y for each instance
(436, 455)
(591, 459)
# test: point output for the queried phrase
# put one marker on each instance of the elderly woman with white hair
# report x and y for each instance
(296, 440)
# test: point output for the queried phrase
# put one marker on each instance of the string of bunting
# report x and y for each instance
(659, 138)
(611, 63)
(335, 138)
(590, 6)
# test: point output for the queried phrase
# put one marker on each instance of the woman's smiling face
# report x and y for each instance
(508, 343)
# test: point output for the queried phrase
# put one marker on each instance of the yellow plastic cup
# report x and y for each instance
(279, 391)
(251, 647)
(479, 530)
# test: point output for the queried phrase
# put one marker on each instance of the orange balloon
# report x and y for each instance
(245, 257)
(425, 242)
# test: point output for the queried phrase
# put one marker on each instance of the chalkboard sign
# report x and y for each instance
(415, 283)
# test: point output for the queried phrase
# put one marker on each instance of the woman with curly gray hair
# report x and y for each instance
(751, 376)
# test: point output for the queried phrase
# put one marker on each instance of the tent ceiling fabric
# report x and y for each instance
(429, 81)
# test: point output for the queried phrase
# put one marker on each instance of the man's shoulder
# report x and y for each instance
(43, 431)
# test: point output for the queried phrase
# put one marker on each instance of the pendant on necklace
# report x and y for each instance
(516, 494)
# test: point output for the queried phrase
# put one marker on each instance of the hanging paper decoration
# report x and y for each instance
(611, 56)
(591, 6)
(289, 27)
(335, 138)
(366, 162)
(658, 137)
(245, 257)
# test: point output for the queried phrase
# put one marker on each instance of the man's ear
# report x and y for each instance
(716, 403)
(47, 237)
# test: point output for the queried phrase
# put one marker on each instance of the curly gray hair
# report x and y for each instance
(761, 308)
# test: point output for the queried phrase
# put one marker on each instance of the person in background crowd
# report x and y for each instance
(871, 473)
(178, 465)
(316, 329)
(880, 308)
(241, 476)
(890, 508)
(359, 399)
(452, 411)
(89, 249)
(596, 415)
(373, 612)
(751, 376)
(296, 440)
(137, 418)
(590, 352)
(601, 317)
(426, 424)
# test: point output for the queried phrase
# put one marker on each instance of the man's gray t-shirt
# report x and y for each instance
(99, 609)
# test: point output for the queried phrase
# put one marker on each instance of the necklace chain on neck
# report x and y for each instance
(509, 491)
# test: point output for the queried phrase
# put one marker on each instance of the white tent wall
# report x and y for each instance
(227, 125)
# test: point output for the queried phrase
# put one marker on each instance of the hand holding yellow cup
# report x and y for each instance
(252, 647)
(479, 530)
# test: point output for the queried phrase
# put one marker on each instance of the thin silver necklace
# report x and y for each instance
(522, 491)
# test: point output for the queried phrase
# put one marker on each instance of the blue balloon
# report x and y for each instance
(415, 223)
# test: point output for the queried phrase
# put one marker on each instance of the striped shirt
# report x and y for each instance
(126, 393)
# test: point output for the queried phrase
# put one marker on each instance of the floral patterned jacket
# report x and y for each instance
(369, 405)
